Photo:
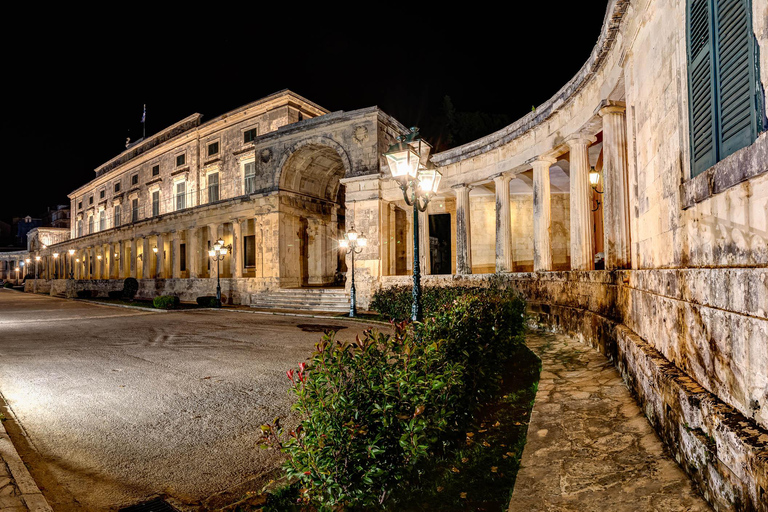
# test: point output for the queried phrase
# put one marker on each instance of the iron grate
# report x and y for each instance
(156, 505)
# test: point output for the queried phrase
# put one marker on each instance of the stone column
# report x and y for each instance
(392, 242)
(146, 259)
(503, 225)
(237, 248)
(424, 258)
(616, 196)
(580, 209)
(463, 231)
(542, 215)
(159, 258)
(176, 255)
(316, 251)
(193, 260)
(134, 255)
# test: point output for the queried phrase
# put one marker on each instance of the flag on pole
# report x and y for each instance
(144, 115)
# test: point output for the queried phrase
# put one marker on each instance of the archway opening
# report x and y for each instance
(312, 218)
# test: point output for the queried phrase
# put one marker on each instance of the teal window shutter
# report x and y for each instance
(701, 86)
(736, 80)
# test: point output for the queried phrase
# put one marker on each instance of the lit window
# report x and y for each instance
(249, 170)
(213, 187)
(181, 195)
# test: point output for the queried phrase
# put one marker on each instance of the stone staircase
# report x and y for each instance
(334, 300)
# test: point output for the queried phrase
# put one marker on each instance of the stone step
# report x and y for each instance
(303, 299)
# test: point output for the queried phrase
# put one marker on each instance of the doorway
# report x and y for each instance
(440, 243)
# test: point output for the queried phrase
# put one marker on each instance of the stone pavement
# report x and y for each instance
(18, 491)
(589, 446)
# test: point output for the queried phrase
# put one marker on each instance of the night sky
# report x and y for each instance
(78, 85)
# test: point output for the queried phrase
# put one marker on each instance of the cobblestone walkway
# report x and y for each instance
(589, 446)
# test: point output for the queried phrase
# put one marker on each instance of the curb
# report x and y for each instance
(31, 496)
(303, 315)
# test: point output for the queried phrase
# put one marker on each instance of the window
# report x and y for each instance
(213, 187)
(117, 215)
(90, 224)
(722, 81)
(181, 195)
(80, 228)
(134, 210)
(249, 170)
(249, 251)
(155, 170)
(135, 179)
(182, 257)
(155, 203)
(102, 193)
(102, 220)
(249, 135)
(181, 160)
(80, 205)
(90, 200)
(213, 148)
(117, 187)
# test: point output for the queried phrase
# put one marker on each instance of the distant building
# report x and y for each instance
(58, 217)
(22, 226)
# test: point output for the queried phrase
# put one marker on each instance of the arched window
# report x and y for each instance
(724, 102)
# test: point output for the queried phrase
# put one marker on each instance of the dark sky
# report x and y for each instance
(79, 78)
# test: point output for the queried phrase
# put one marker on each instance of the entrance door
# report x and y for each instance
(440, 243)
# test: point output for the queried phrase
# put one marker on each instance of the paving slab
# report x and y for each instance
(589, 446)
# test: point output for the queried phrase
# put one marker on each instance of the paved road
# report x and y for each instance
(589, 446)
(120, 404)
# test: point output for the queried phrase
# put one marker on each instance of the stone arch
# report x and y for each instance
(313, 211)
(313, 167)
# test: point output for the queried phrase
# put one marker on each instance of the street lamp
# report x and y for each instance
(353, 243)
(71, 264)
(21, 264)
(17, 275)
(37, 261)
(409, 164)
(55, 265)
(217, 254)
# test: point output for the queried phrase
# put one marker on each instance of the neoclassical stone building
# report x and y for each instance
(662, 264)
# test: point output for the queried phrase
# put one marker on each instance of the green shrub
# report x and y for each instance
(85, 294)
(115, 294)
(396, 302)
(166, 302)
(374, 412)
(207, 301)
(8, 285)
(130, 288)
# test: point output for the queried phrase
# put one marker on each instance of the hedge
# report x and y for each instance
(166, 302)
(207, 301)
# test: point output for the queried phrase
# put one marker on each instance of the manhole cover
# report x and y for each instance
(156, 505)
(320, 328)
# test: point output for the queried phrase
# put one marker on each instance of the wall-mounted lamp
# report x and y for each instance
(594, 180)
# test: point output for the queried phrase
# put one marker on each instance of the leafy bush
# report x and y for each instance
(8, 284)
(396, 302)
(373, 412)
(207, 301)
(166, 302)
(115, 294)
(85, 294)
(130, 288)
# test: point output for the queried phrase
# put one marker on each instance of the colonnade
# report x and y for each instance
(615, 200)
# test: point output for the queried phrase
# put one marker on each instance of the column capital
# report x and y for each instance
(502, 176)
(462, 185)
(542, 161)
(578, 139)
(610, 107)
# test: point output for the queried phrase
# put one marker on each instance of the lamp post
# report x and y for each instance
(353, 243)
(217, 254)
(27, 268)
(21, 264)
(409, 164)
(55, 265)
(17, 275)
(71, 264)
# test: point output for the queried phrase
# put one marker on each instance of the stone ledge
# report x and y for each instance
(744, 164)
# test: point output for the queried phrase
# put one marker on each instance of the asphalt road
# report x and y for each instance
(119, 404)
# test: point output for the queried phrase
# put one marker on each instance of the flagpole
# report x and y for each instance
(144, 123)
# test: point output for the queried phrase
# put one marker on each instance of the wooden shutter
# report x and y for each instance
(735, 72)
(701, 86)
